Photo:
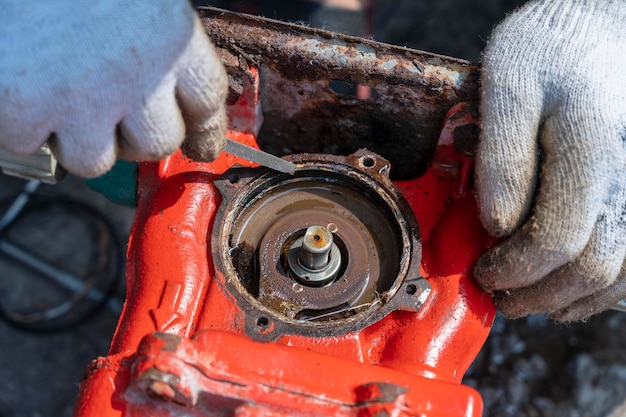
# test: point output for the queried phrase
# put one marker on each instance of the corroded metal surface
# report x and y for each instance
(411, 91)
(263, 213)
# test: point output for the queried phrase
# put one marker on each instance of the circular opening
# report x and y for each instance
(411, 289)
(233, 178)
(367, 161)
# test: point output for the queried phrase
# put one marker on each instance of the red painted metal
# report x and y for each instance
(180, 347)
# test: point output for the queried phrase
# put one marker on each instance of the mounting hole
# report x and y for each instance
(234, 178)
(411, 289)
(262, 321)
(367, 161)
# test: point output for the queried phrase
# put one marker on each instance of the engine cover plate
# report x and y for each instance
(373, 229)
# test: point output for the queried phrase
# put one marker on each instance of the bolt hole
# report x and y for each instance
(368, 161)
(411, 289)
(262, 322)
(317, 238)
(233, 178)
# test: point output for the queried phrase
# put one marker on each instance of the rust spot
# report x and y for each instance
(379, 392)
(95, 365)
(318, 238)
(245, 261)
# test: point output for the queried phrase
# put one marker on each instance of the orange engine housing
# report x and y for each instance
(181, 348)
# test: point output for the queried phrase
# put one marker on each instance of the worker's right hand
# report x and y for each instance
(108, 78)
(551, 165)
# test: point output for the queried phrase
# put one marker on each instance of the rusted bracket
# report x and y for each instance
(411, 91)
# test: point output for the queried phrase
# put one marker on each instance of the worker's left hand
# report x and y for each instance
(551, 165)
(106, 78)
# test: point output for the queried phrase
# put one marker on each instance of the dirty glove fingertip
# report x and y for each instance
(206, 144)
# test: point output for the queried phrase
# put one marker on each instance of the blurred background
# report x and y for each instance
(529, 367)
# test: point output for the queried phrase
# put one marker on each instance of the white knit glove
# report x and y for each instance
(108, 78)
(551, 165)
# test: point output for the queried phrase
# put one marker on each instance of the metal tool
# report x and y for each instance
(262, 158)
(44, 167)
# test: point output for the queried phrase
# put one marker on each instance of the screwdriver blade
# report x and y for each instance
(259, 157)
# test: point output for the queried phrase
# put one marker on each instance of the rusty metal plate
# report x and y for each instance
(411, 91)
(262, 212)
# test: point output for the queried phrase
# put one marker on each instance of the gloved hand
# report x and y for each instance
(108, 78)
(551, 165)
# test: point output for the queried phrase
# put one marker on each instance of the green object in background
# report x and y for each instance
(119, 184)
